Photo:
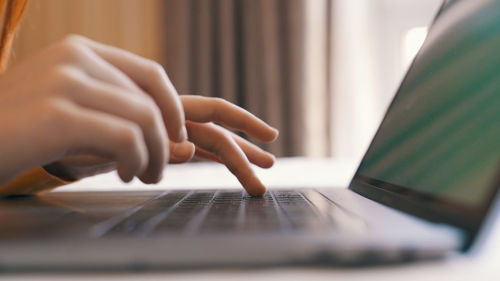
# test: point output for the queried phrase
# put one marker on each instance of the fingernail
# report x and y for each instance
(276, 134)
(181, 151)
(177, 150)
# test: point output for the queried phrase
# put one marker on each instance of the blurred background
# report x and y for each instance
(321, 71)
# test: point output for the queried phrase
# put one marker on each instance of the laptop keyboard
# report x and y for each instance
(211, 211)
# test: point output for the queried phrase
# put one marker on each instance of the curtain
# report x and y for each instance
(252, 53)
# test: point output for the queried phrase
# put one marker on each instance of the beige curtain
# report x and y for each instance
(249, 52)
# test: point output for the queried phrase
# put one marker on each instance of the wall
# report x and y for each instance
(135, 25)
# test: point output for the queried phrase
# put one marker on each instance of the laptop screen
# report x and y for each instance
(440, 139)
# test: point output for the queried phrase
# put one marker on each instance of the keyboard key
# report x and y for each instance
(298, 211)
(177, 221)
(223, 212)
(260, 214)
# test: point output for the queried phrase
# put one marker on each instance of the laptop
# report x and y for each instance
(426, 188)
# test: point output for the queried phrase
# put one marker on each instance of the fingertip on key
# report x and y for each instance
(257, 188)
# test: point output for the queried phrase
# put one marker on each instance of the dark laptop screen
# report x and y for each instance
(440, 139)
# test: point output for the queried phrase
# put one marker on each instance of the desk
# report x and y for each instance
(294, 172)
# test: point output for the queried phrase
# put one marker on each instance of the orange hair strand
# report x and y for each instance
(12, 11)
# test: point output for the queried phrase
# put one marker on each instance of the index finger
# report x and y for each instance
(151, 77)
(215, 140)
(204, 109)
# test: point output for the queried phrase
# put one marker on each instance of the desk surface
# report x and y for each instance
(296, 172)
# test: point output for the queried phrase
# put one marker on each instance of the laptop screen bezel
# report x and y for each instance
(423, 205)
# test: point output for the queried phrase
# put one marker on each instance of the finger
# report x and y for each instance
(254, 153)
(140, 110)
(203, 109)
(97, 67)
(100, 134)
(151, 77)
(202, 153)
(227, 150)
(181, 152)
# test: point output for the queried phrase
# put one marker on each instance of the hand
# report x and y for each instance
(210, 141)
(91, 108)
(79, 97)
(214, 142)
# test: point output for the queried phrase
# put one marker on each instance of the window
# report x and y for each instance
(373, 43)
